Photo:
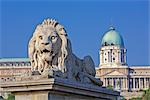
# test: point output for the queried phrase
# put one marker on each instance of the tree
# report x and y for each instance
(138, 98)
(146, 95)
(110, 87)
(11, 97)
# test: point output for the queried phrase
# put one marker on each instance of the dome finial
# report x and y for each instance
(111, 25)
(111, 28)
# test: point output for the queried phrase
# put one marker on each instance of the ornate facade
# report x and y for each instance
(114, 70)
(11, 68)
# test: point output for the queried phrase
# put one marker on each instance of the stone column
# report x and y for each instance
(120, 84)
(144, 82)
(106, 82)
(103, 81)
(127, 83)
(113, 82)
(116, 83)
(139, 83)
(101, 53)
(125, 60)
(124, 83)
(118, 56)
(133, 80)
(142, 86)
(128, 87)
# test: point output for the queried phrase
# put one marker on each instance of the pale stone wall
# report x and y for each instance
(9, 70)
(57, 89)
(112, 56)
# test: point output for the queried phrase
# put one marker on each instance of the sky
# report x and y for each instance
(85, 21)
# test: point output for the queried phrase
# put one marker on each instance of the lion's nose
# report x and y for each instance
(45, 43)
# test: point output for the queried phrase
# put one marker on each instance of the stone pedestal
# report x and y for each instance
(57, 89)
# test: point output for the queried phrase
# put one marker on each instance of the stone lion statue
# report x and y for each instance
(50, 52)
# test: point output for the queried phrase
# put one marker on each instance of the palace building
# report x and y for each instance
(113, 68)
(10, 68)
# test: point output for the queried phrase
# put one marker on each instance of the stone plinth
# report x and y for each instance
(57, 89)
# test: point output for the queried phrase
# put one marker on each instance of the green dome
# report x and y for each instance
(112, 37)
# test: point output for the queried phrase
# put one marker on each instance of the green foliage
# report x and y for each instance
(122, 98)
(138, 98)
(11, 97)
(110, 87)
(146, 95)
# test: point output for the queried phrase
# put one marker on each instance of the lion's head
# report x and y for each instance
(48, 46)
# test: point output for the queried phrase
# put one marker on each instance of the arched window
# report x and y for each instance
(105, 44)
(122, 55)
(112, 44)
(109, 59)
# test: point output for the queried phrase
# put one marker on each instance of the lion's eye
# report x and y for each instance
(53, 37)
(60, 29)
(41, 37)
